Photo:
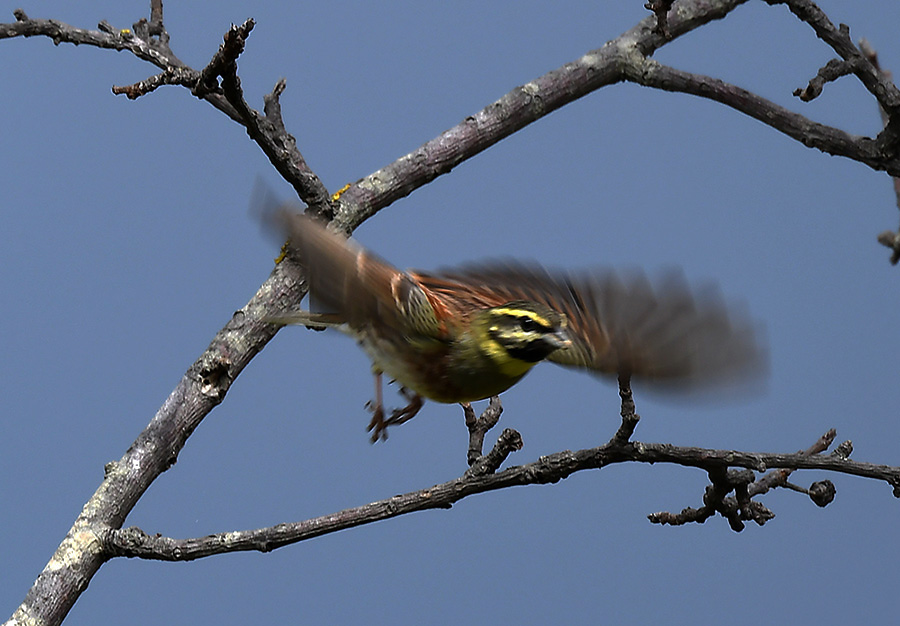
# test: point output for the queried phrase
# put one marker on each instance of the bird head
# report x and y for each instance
(526, 331)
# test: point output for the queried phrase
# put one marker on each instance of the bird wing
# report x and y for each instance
(662, 330)
(621, 323)
(351, 283)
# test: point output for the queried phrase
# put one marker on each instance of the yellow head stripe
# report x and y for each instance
(513, 312)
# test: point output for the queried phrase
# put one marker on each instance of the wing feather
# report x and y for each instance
(347, 280)
(663, 329)
(620, 323)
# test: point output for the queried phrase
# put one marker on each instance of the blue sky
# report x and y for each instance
(127, 242)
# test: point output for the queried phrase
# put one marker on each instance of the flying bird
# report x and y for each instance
(467, 334)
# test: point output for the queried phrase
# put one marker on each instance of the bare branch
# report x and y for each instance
(741, 508)
(832, 70)
(875, 82)
(630, 419)
(268, 130)
(811, 134)
(172, 76)
(779, 478)
(736, 509)
(624, 58)
(508, 442)
(479, 427)
(518, 108)
(224, 61)
(134, 542)
(888, 238)
(149, 41)
(93, 538)
(104, 37)
(879, 84)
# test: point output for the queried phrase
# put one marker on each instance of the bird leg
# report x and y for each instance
(379, 424)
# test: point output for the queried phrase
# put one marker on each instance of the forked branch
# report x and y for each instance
(95, 537)
(729, 471)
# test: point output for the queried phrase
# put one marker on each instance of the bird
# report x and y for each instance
(470, 333)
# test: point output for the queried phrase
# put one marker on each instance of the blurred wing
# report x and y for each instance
(350, 282)
(623, 324)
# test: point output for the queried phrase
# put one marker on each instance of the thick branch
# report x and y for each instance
(625, 58)
(156, 449)
(519, 108)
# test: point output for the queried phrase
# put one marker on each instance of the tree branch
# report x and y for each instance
(889, 238)
(92, 539)
(624, 58)
(134, 542)
(479, 427)
(149, 41)
(811, 134)
(268, 131)
(876, 82)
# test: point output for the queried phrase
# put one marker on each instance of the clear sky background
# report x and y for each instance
(126, 242)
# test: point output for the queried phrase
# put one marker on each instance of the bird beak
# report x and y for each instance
(560, 339)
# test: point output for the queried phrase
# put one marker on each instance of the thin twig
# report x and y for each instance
(479, 427)
(630, 419)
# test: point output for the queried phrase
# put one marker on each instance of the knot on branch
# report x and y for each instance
(215, 378)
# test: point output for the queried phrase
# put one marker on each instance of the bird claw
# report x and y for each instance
(379, 424)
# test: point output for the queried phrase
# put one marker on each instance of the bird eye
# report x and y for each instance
(528, 325)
